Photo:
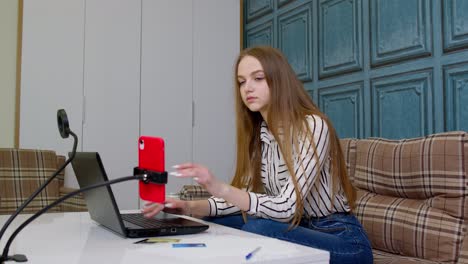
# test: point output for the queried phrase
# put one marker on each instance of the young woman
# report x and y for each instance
(291, 178)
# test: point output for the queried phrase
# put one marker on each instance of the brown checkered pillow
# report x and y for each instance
(193, 192)
(21, 173)
(413, 194)
(348, 146)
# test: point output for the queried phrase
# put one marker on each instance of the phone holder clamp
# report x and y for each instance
(151, 176)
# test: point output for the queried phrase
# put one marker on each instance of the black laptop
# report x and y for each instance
(103, 209)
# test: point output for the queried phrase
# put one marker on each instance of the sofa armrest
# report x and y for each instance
(73, 204)
(22, 171)
(464, 249)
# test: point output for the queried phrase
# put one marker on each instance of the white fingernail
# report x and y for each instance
(175, 173)
(175, 166)
(168, 205)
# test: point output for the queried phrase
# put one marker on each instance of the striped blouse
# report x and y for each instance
(279, 200)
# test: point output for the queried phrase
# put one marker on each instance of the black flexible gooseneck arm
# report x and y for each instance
(64, 129)
(62, 121)
(22, 258)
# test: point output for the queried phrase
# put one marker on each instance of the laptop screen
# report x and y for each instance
(100, 201)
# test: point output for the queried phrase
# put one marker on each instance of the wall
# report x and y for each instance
(393, 69)
(8, 43)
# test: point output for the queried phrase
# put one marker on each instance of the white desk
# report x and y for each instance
(74, 238)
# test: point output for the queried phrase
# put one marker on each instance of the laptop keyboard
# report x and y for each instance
(140, 220)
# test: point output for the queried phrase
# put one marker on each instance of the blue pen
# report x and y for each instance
(251, 254)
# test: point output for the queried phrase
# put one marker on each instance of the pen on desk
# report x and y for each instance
(251, 254)
(140, 241)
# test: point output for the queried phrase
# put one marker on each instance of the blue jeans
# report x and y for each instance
(341, 234)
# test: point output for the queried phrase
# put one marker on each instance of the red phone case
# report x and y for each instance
(151, 157)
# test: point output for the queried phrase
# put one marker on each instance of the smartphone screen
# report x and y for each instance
(151, 157)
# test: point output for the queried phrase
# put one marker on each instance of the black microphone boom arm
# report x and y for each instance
(22, 258)
(64, 129)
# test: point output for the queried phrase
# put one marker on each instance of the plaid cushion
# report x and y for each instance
(193, 192)
(413, 195)
(381, 257)
(348, 146)
(21, 173)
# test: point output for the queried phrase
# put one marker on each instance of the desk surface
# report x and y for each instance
(74, 238)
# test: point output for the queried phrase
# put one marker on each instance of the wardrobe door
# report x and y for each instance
(215, 49)
(111, 90)
(166, 79)
(52, 72)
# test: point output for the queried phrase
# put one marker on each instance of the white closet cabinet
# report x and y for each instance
(215, 49)
(112, 90)
(124, 68)
(52, 73)
(188, 52)
(166, 79)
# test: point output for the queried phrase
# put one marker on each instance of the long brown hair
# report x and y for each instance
(289, 105)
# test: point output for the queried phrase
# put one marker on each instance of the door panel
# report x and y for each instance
(456, 88)
(256, 8)
(344, 105)
(213, 90)
(51, 75)
(340, 41)
(260, 35)
(166, 80)
(455, 24)
(295, 39)
(400, 30)
(401, 105)
(111, 90)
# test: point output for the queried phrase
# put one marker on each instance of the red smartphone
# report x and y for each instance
(151, 157)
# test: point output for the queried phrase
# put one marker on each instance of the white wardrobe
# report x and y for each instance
(125, 68)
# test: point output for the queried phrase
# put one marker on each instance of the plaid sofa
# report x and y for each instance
(412, 196)
(22, 171)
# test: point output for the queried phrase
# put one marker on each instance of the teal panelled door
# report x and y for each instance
(380, 68)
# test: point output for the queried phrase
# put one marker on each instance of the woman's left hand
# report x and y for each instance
(202, 176)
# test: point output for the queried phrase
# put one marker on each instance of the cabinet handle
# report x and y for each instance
(193, 113)
(84, 111)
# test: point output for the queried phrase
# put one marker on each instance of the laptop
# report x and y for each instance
(103, 209)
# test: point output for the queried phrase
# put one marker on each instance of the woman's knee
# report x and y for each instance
(251, 226)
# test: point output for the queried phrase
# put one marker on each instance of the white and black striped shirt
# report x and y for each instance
(279, 201)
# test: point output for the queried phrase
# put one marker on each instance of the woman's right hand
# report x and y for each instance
(172, 206)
